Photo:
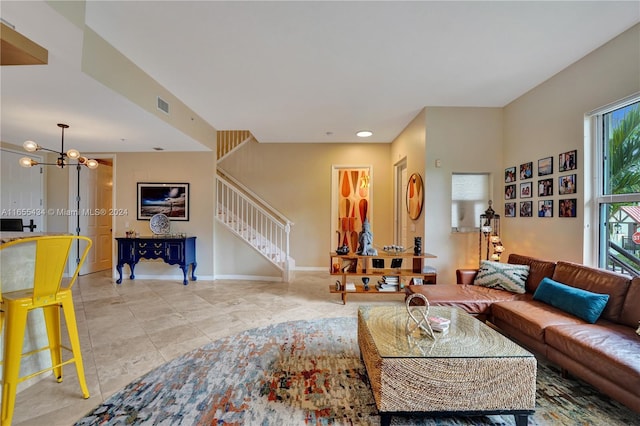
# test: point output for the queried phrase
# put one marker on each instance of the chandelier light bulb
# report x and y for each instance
(74, 154)
(30, 146)
(27, 162)
(92, 164)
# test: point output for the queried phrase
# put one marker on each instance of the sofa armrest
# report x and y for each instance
(465, 276)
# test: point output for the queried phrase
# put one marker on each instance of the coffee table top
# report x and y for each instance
(467, 337)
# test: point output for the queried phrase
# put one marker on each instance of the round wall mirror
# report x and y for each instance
(415, 196)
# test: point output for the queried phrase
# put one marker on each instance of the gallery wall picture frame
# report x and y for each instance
(567, 184)
(526, 208)
(545, 187)
(509, 209)
(545, 208)
(171, 199)
(526, 190)
(510, 192)
(510, 174)
(568, 161)
(545, 166)
(526, 170)
(567, 207)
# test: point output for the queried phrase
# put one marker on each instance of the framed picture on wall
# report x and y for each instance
(568, 161)
(526, 208)
(545, 208)
(545, 187)
(526, 171)
(171, 199)
(510, 209)
(510, 192)
(510, 174)
(545, 166)
(567, 184)
(567, 208)
(526, 190)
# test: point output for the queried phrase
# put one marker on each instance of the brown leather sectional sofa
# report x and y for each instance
(605, 354)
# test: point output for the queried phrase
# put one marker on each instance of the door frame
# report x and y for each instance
(73, 193)
(399, 213)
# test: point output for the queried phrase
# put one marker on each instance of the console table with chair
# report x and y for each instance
(174, 250)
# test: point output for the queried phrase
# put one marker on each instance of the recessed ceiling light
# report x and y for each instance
(364, 133)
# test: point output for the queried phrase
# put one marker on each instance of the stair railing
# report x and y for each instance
(251, 218)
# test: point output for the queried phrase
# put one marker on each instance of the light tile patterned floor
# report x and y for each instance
(128, 329)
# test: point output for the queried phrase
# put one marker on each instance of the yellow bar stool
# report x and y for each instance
(47, 292)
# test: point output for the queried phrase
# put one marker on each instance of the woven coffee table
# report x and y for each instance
(470, 370)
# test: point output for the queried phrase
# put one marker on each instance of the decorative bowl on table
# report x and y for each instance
(160, 224)
(395, 249)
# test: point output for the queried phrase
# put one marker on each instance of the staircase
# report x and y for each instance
(228, 141)
(249, 217)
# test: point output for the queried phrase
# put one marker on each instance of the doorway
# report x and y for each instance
(400, 217)
(91, 196)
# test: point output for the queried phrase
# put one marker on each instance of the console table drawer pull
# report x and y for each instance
(142, 252)
(157, 252)
(157, 245)
(142, 245)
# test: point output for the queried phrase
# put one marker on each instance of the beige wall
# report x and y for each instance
(549, 120)
(465, 140)
(410, 146)
(296, 179)
(198, 169)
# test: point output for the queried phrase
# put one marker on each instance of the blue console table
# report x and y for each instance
(173, 250)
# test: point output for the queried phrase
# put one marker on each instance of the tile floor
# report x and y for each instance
(128, 329)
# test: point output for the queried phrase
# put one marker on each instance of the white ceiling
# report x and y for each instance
(293, 71)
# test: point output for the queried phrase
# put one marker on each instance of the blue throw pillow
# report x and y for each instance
(581, 303)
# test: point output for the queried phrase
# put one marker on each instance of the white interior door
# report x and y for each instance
(21, 190)
(95, 216)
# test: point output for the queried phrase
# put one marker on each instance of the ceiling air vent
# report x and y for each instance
(163, 105)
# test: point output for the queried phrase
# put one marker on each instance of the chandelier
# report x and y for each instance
(62, 161)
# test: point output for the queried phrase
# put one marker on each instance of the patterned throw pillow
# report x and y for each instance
(503, 276)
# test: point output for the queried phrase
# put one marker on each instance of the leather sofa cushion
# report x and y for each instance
(610, 350)
(473, 299)
(538, 269)
(531, 317)
(595, 281)
(630, 314)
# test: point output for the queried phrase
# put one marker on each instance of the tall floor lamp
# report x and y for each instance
(489, 235)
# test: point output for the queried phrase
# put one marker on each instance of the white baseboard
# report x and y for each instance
(248, 278)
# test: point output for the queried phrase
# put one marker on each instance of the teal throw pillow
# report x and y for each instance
(503, 276)
(581, 303)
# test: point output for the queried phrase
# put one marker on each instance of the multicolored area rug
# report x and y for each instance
(309, 372)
